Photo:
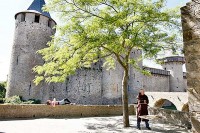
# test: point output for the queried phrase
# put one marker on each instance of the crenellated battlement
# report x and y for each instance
(33, 17)
(172, 59)
(157, 71)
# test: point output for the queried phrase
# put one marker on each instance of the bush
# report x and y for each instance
(1, 100)
(19, 100)
(2, 91)
(13, 100)
(35, 101)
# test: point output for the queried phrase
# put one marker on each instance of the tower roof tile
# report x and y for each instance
(37, 6)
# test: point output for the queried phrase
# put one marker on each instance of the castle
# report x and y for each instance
(95, 85)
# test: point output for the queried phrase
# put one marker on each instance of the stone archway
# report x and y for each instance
(185, 108)
(160, 102)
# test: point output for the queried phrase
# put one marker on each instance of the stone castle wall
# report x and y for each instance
(85, 87)
(176, 76)
(93, 85)
(156, 83)
(97, 85)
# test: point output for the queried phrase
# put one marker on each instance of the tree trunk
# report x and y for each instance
(125, 98)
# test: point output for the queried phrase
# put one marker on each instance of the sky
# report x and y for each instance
(8, 9)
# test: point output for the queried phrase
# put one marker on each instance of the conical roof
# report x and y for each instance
(37, 6)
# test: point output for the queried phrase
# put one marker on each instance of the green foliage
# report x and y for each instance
(111, 29)
(13, 100)
(2, 91)
(35, 101)
(18, 100)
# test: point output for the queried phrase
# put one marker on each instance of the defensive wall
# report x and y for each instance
(44, 111)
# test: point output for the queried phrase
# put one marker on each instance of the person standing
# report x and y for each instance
(142, 109)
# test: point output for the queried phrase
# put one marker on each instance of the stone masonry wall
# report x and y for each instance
(64, 111)
(85, 87)
(29, 37)
(156, 83)
(191, 36)
(176, 76)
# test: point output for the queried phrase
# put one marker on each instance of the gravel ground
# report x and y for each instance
(83, 125)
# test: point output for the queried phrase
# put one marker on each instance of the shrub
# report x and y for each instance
(1, 100)
(13, 100)
(35, 101)
(19, 100)
(2, 91)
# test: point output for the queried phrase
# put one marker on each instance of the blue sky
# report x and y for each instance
(8, 8)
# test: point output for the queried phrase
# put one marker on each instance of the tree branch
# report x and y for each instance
(117, 56)
(74, 4)
(104, 3)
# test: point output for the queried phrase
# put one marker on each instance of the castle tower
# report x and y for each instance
(33, 29)
(174, 64)
(135, 77)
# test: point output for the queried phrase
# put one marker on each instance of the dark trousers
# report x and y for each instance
(139, 121)
(67, 101)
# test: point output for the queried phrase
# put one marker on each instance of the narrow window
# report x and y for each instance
(23, 17)
(17, 59)
(29, 89)
(49, 23)
(53, 89)
(37, 18)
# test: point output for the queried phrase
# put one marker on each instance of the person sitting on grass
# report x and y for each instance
(61, 102)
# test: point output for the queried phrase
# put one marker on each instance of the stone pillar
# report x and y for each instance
(191, 37)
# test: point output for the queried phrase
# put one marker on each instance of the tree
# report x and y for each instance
(109, 30)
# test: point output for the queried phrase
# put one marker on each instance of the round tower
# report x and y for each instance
(174, 64)
(33, 29)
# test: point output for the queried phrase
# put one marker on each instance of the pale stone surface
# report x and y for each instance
(83, 125)
(179, 99)
(44, 111)
(173, 117)
(191, 36)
